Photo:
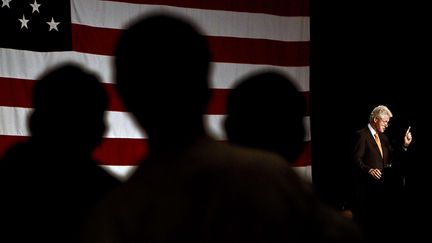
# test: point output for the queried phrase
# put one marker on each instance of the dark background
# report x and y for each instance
(364, 54)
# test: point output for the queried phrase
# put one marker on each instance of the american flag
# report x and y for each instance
(244, 35)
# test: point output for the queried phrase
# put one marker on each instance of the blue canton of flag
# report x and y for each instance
(37, 25)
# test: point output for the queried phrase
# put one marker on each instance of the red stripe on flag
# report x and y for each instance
(306, 96)
(7, 141)
(115, 103)
(121, 151)
(259, 51)
(305, 157)
(112, 151)
(217, 104)
(17, 92)
(115, 151)
(94, 40)
(277, 7)
(125, 151)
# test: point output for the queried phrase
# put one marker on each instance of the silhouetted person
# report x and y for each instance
(50, 182)
(265, 110)
(192, 188)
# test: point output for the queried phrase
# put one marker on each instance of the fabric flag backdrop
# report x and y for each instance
(244, 35)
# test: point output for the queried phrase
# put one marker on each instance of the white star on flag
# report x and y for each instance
(6, 3)
(24, 22)
(53, 25)
(35, 6)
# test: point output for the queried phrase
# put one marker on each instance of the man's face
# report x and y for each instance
(380, 124)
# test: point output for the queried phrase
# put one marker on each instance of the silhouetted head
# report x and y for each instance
(162, 65)
(265, 110)
(69, 105)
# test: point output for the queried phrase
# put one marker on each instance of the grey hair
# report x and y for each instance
(379, 112)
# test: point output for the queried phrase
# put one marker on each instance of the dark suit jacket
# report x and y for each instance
(366, 155)
(366, 151)
(376, 201)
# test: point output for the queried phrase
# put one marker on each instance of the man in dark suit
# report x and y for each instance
(378, 180)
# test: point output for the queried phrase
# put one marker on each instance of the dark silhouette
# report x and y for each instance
(265, 110)
(50, 182)
(192, 188)
(377, 203)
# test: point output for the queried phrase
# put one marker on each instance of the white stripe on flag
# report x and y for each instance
(224, 75)
(120, 124)
(213, 22)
